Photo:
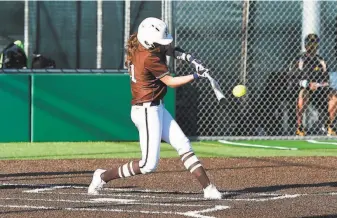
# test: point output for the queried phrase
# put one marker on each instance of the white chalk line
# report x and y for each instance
(256, 146)
(198, 215)
(319, 142)
(38, 190)
(49, 188)
(96, 200)
(188, 213)
(131, 195)
(108, 200)
(27, 206)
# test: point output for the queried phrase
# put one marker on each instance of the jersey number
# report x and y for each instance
(132, 69)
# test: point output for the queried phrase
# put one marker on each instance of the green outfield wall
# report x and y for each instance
(68, 107)
(15, 108)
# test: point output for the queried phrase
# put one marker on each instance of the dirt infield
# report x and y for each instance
(252, 187)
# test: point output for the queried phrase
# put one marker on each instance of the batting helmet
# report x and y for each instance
(311, 41)
(153, 30)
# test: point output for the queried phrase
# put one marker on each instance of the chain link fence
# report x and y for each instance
(241, 42)
(67, 30)
(252, 43)
(12, 28)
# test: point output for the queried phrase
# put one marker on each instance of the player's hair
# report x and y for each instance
(311, 40)
(132, 47)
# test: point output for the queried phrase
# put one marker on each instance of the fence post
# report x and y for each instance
(99, 49)
(310, 19)
(127, 14)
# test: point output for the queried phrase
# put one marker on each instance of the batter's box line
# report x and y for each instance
(107, 200)
(132, 190)
(46, 187)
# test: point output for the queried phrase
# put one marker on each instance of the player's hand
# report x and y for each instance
(313, 86)
(202, 73)
(198, 65)
(325, 84)
(304, 83)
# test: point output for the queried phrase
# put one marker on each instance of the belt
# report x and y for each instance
(153, 103)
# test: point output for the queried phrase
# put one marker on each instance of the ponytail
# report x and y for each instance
(131, 47)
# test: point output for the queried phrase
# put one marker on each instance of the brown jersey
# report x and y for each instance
(145, 72)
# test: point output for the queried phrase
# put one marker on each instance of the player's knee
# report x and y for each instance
(300, 103)
(304, 94)
(149, 167)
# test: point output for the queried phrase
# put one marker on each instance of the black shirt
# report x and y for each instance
(311, 68)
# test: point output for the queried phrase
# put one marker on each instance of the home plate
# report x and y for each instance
(102, 200)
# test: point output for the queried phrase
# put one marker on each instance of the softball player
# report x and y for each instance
(146, 60)
(311, 70)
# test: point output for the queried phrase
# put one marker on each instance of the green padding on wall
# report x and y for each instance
(84, 108)
(15, 107)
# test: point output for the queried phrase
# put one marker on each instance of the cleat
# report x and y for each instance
(331, 132)
(300, 131)
(211, 192)
(97, 183)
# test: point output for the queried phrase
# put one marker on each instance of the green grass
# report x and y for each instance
(70, 150)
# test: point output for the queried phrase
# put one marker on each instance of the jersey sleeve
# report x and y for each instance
(323, 63)
(325, 69)
(176, 52)
(293, 70)
(156, 66)
(295, 74)
(167, 50)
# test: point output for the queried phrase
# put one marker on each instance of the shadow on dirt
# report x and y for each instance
(45, 173)
(322, 216)
(275, 188)
(16, 212)
(44, 186)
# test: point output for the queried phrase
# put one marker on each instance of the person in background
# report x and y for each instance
(310, 72)
(13, 56)
(42, 62)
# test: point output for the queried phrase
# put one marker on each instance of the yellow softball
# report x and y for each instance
(239, 91)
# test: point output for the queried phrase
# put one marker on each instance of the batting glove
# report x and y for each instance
(304, 83)
(202, 73)
(198, 66)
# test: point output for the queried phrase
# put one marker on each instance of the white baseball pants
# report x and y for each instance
(154, 124)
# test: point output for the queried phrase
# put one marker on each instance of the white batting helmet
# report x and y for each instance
(153, 30)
